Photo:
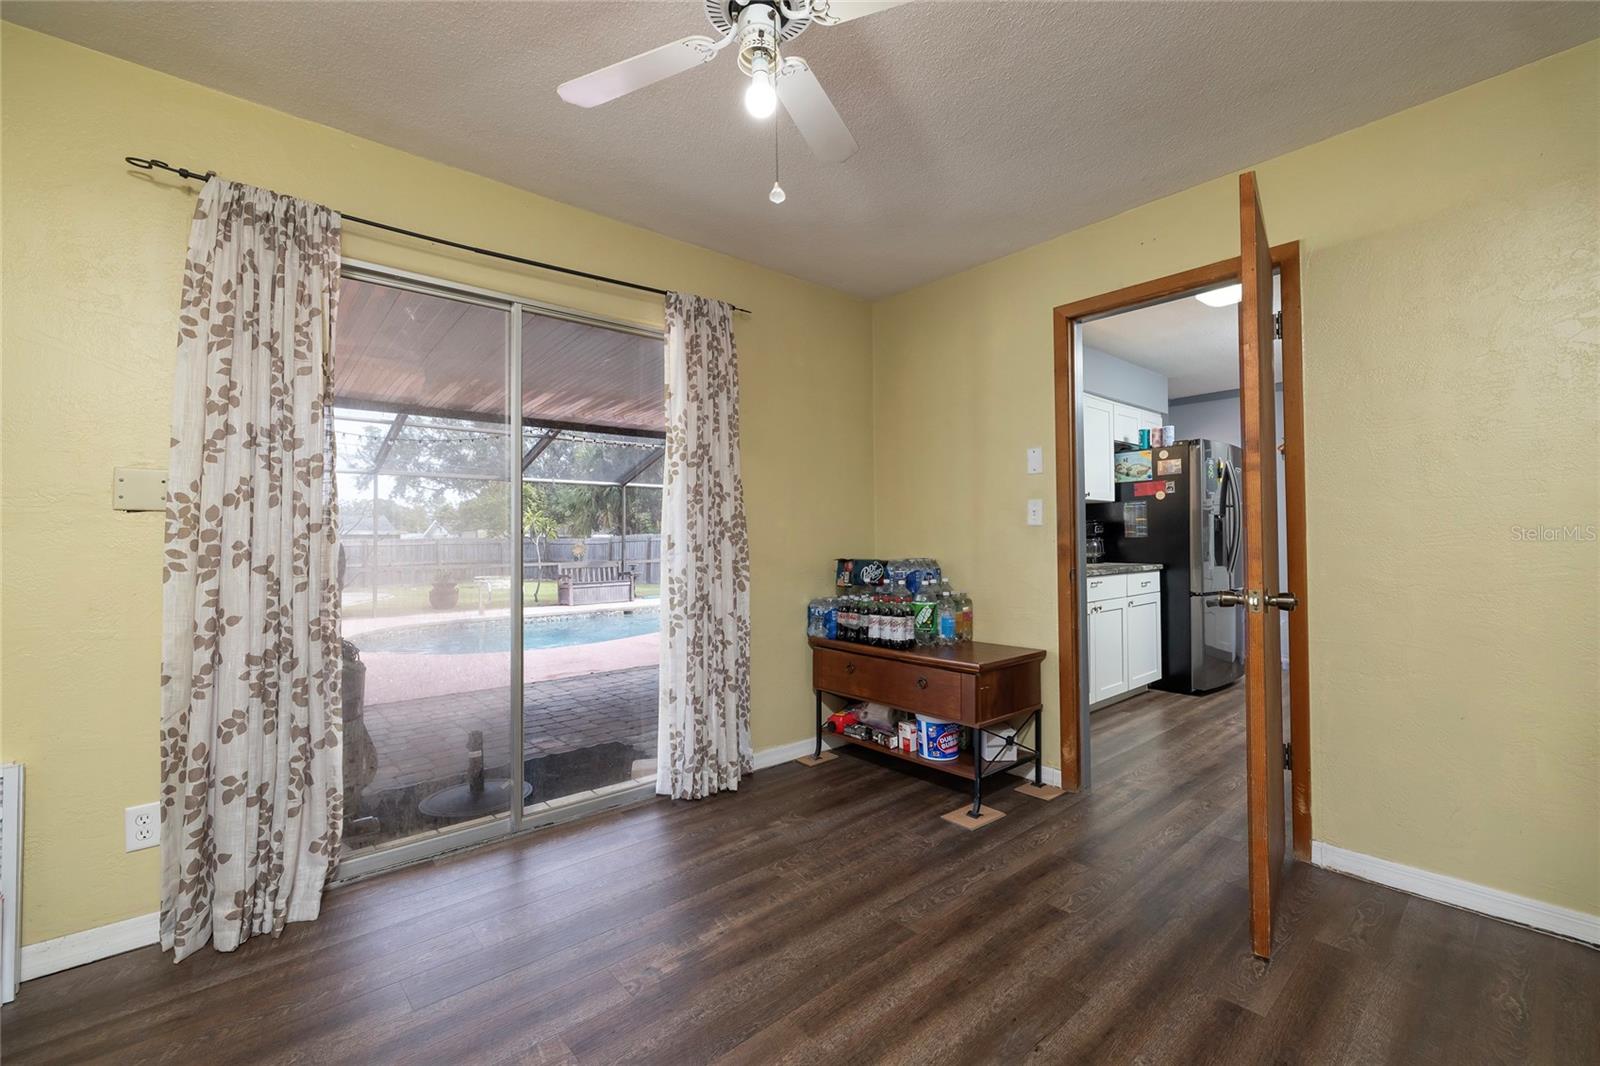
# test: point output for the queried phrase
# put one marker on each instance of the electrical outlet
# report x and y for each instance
(1035, 512)
(1036, 460)
(141, 826)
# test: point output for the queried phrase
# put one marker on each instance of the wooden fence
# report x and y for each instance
(389, 562)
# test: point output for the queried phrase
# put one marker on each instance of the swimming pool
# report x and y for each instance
(494, 634)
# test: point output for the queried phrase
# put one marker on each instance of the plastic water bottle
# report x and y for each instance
(948, 613)
(964, 617)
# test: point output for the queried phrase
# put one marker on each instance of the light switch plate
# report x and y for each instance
(1035, 512)
(1035, 460)
(138, 488)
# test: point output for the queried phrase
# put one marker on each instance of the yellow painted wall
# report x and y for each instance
(1450, 289)
(1451, 258)
(92, 261)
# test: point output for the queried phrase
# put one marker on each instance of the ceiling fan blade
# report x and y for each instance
(845, 10)
(813, 113)
(620, 79)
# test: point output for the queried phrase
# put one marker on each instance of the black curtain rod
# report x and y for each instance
(195, 175)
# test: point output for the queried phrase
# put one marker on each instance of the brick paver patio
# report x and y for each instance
(579, 733)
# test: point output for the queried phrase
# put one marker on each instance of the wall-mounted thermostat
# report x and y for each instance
(137, 488)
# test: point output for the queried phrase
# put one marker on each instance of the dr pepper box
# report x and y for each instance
(859, 572)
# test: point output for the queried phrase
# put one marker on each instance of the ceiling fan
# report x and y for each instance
(759, 27)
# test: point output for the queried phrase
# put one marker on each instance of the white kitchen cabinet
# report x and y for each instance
(1141, 624)
(1124, 637)
(1099, 483)
(1127, 421)
(1108, 660)
(1104, 423)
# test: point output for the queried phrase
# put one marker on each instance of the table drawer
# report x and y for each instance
(901, 685)
(1143, 583)
(1107, 587)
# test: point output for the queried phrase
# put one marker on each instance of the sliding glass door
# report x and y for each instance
(593, 405)
(499, 566)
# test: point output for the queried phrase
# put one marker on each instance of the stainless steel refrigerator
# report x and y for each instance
(1187, 517)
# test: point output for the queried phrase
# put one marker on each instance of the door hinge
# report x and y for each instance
(1277, 325)
(1288, 762)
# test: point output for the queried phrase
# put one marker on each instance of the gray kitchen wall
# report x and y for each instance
(1106, 376)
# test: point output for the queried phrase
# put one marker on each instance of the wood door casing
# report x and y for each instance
(1071, 668)
(1263, 650)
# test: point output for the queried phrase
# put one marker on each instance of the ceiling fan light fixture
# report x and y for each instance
(761, 97)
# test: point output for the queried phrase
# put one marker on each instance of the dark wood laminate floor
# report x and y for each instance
(828, 916)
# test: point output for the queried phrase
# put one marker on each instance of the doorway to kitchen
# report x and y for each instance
(1134, 367)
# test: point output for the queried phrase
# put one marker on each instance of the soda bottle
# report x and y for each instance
(905, 624)
(964, 621)
(926, 608)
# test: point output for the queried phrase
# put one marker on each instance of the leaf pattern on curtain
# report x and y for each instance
(252, 791)
(703, 745)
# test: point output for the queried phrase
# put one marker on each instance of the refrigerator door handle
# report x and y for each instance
(1234, 526)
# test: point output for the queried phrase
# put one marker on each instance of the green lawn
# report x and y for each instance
(413, 599)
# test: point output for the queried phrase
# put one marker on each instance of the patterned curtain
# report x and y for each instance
(703, 744)
(250, 723)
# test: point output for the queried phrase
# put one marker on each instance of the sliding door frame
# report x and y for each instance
(427, 845)
(1072, 636)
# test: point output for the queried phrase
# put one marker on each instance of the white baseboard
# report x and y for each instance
(102, 942)
(1051, 774)
(785, 753)
(1441, 888)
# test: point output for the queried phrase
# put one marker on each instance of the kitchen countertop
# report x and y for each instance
(1103, 569)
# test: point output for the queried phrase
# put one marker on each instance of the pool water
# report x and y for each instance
(494, 634)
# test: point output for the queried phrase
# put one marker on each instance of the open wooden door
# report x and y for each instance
(1261, 597)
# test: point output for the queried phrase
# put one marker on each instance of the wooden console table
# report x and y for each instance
(981, 686)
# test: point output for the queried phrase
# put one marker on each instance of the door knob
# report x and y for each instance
(1227, 599)
(1283, 601)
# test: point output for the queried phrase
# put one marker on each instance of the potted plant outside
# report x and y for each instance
(445, 593)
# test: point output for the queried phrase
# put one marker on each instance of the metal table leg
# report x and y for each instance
(818, 753)
(1038, 751)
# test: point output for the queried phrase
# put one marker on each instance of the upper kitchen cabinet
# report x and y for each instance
(1126, 422)
(1104, 423)
(1099, 485)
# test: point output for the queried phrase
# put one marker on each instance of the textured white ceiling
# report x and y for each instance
(1194, 345)
(984, 127)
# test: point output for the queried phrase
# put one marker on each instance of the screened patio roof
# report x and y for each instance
(404, 351)
(420, 390)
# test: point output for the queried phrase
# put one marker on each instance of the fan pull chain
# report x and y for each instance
(777, 195)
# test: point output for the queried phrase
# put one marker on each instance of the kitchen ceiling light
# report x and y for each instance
(1226, 296)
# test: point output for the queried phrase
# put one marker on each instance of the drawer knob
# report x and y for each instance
(922, 682)
(849, 668)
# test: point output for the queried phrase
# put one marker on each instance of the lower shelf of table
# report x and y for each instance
(961, 766)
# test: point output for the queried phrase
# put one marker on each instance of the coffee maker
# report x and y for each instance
(1094, 541)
